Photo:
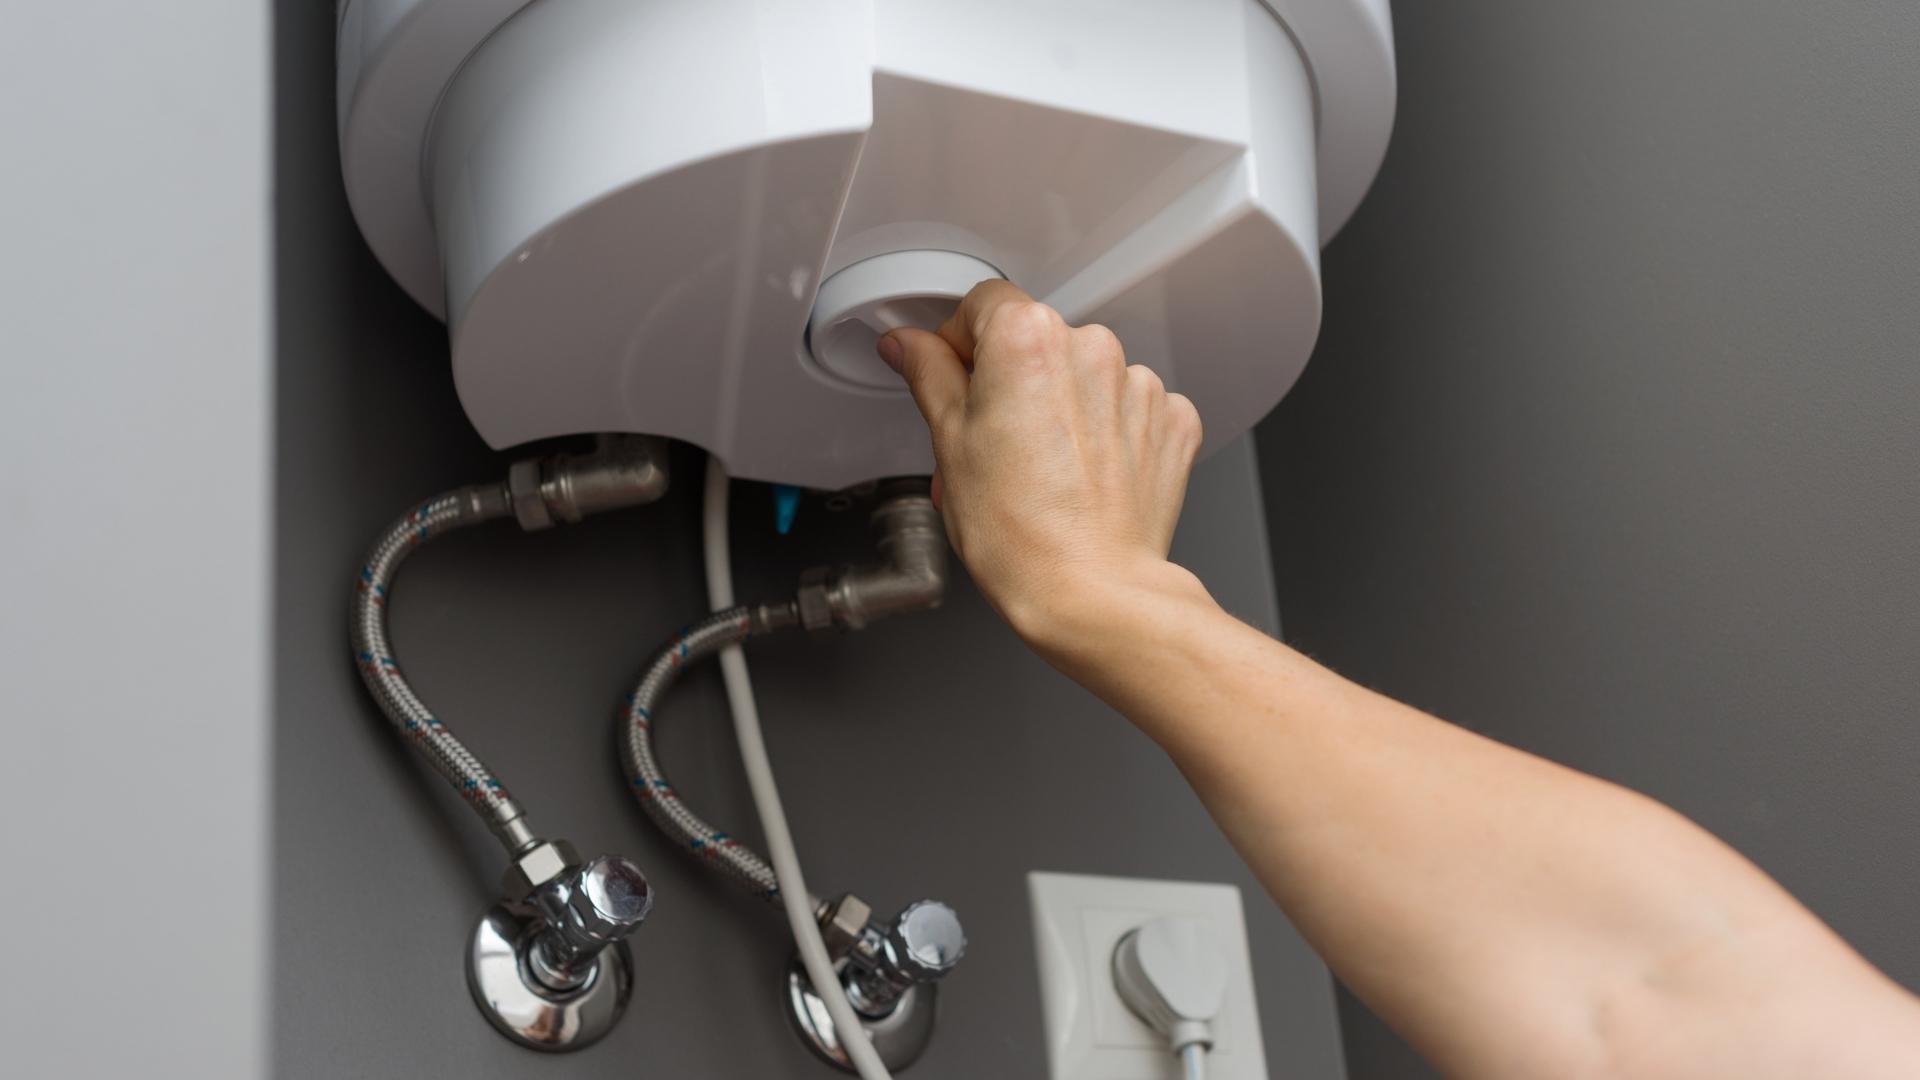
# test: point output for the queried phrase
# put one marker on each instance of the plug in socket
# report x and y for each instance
(1091, 1034)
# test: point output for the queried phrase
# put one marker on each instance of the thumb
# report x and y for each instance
(932, 369)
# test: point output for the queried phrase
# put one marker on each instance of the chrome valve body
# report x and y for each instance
(925, 942)
(549, 965)
(891, 974)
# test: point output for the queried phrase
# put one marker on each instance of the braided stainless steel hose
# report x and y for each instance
(650, 785)
(911, 576)
(373, 654)
(621, 471)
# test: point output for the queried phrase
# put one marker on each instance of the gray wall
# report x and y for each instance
(1612, 446)
(933, 757)
(133, 562)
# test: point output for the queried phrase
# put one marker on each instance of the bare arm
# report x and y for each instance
(1510, 917)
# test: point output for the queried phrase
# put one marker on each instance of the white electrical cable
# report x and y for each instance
(766, 797)
(1193, 1059)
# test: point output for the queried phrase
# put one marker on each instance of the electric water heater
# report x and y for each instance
(693, 218)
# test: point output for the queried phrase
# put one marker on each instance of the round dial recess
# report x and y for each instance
(905, 288)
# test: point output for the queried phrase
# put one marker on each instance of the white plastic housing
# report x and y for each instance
(627, 211)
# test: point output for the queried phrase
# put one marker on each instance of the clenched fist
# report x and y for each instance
(1060, 467)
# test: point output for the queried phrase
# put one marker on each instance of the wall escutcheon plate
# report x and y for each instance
(506, 994)
(899, 1038)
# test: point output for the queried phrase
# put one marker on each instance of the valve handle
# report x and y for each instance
(927, 941)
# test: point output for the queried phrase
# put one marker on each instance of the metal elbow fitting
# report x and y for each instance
(911, 576)
(621, 471)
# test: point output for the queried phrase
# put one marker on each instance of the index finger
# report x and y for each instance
(963, 328)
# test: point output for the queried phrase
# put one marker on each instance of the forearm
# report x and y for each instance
(1513, 918)
(1510, 916)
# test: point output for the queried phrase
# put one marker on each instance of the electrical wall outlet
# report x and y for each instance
(1091, 1034)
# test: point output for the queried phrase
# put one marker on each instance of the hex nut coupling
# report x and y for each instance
(621, 471)
(910, 576)
(537, 866)
(842, 922)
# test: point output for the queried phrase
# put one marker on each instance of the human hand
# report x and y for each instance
(1060, 468)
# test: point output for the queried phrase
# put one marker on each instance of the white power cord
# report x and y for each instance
(1193, 1062)
(1169, 971)
(766, 796)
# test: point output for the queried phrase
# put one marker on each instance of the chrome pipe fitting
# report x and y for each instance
(770, 617)
(549, 965)
(910, 576)
(843, 922)
(924, 944)
(621, 471)
(534, 865)
(584, 912)
(890, 973)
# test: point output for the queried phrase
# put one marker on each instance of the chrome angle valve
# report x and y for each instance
(891, 973)
(549, 964)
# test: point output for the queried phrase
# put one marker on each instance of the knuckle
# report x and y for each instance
(1097, 338)
(1098, 348)
(1025, 326)
(985, 290)
(1145, 380)
(1185, 417)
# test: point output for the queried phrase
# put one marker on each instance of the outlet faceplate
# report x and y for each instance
(1091, 1034)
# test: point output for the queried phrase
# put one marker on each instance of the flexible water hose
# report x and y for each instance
(781, 879)
(650, 784)
(373, 655)
(722, 632)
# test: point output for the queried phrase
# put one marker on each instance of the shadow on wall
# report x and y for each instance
(1608, 450)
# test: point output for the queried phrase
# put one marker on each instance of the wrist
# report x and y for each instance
(1082, 606)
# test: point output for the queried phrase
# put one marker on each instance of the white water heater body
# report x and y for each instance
(693, 217)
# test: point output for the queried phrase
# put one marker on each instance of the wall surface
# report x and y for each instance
(1611, 446)
(932, 757)
(133, 646)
